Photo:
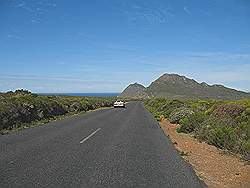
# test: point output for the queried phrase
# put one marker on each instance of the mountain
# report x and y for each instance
(135, 90)
(181, 87)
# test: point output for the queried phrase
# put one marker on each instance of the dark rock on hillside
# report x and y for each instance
(175, 86)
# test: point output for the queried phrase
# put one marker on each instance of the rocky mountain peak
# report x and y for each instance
(177, 86)
(175, 78)
(135, 90)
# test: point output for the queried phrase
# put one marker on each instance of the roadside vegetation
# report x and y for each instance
(224, 124)
(21, 109)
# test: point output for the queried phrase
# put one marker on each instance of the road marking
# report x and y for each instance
(90, 135)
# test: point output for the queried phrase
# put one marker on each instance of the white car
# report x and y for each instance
(119, 104)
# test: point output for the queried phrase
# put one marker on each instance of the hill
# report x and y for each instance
(135, 90)
(175, 86)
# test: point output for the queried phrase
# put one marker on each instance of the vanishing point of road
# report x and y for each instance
(106, 148)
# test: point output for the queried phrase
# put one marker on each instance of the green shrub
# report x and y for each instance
(170, 106)
(222, 137)
(225, 124)
(179, 114)
(229, 110)
(247, 111)
(224, 133)
(22, 107)
(192, 122)
(200, 105)
(246, 146)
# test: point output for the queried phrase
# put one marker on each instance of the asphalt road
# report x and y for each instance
(105, 148)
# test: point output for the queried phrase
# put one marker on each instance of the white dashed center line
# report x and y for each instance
(90, 135)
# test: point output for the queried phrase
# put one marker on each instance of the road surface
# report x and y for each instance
(105, 148)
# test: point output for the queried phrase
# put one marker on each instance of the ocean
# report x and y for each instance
(82, 94)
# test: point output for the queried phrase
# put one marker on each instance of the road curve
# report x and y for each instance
(105, 148)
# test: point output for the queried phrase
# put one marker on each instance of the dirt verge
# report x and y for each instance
(215, 167)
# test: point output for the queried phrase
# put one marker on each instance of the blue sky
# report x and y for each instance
(103, 45)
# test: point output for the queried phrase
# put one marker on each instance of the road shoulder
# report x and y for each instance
(213, 166)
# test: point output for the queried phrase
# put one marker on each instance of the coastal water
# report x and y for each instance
(82, 94)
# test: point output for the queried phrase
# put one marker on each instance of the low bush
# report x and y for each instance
(229, 110)
(192, 122)
(21, 107)
(224, 124)
(179, 113)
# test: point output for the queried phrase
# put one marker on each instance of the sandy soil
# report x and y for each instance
(212, 165)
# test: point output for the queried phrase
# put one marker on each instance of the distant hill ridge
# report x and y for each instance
(175, 86)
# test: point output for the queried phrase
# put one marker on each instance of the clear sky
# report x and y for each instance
(103, 45)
